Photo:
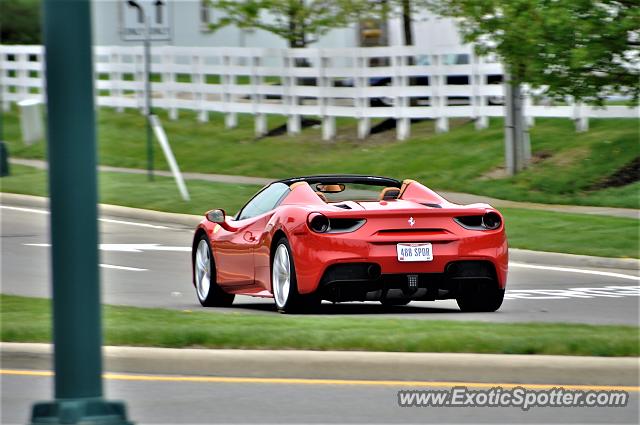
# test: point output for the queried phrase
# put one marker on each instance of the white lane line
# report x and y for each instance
(129, 247)
(131, 269)
(106, 266)
(559, 294)
(24, 209)
(131, 223)
(104, 220)
(572, 270)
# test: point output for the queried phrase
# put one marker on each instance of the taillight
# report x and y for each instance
(320, 223)
(491, 220)
(317, 222)
(488, 221)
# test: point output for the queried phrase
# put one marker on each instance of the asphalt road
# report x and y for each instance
(251, 402)
(148, 265)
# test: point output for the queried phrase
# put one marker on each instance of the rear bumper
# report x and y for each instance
(363, 282)
(317, 255)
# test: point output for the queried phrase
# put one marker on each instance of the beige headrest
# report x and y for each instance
(388, 194)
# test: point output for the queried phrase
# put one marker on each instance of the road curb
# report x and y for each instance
(571, 260)
(352, 365)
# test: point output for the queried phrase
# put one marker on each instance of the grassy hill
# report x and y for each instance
(568, 167)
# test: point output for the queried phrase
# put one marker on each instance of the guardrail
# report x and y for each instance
(399, 82)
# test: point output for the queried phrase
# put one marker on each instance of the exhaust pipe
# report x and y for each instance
(374, 272)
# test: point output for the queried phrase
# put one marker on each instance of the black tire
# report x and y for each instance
(214, 296)
(486, 301)
(290, 301)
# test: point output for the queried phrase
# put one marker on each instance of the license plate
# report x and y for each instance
(414, 252)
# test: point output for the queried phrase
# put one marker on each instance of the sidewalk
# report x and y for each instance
(458, 198)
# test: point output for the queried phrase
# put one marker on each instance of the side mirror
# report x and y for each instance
(216, 216)
(220, 217)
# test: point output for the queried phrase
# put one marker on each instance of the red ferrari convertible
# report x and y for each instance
(351, 238)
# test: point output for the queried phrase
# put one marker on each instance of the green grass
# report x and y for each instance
(572, 233)
(28, 320)
(530, 229)
(464, 159)
(134, 190)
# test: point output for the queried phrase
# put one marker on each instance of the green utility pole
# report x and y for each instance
(77, 332)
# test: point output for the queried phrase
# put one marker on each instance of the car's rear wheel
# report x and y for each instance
(284, 283)
(208, 291)
(488, 300)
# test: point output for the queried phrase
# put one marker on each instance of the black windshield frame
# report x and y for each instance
(345, 178)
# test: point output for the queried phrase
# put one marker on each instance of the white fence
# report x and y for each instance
(401, 83)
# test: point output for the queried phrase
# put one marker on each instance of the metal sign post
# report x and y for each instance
(148, 105)
(77, 332)
(146, 21)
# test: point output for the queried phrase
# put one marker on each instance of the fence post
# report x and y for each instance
(257, 99)
(529, 120)
(4, 73)
(438, 98)
(289, 96)
(22, 74)
(478, 100)
(115, 76)
(198, 81)
(42, 86)
(403, 123)
(140, 79)
(580, 117)
(168, 80)
(361, 101)
(328, 122)
(228, 79)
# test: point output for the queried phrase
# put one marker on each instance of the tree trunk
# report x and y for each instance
(406, 22)
(517, 147)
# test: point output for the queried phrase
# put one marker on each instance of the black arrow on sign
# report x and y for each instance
(158, 4)
(132, 3)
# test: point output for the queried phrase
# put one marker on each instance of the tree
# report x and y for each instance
(20, 22)
(299, 22)
(585, 49)
(382, 9)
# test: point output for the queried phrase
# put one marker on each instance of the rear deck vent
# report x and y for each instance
(343, 206)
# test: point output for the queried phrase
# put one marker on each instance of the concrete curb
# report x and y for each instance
(571, 260)
(458, 367)
(191, 221)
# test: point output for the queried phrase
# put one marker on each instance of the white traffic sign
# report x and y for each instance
(139, 16)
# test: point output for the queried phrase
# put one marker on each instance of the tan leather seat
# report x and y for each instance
(322, 196)
(389, 194)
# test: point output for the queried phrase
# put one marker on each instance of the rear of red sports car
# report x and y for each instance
(415, 247)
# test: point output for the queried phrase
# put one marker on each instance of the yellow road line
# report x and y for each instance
(305, 381)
